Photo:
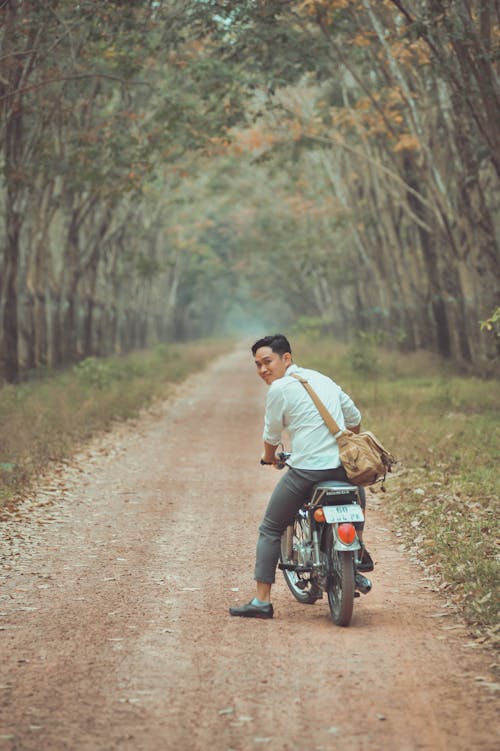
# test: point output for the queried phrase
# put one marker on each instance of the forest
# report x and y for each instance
(174, 170)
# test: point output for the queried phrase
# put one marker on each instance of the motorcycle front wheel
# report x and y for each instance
(340, 582)
(300, 584)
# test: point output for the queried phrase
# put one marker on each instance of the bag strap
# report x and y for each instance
(330, 422)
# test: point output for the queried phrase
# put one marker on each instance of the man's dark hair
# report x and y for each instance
(277, 342)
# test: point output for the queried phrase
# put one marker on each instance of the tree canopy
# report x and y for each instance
(176, 169)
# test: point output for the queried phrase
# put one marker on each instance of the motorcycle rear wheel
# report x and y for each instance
(300, 584)
(340, 584)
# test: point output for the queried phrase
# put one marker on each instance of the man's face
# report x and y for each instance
(270, 365)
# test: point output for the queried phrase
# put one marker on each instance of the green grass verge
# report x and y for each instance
(443, 497)
(45, 419)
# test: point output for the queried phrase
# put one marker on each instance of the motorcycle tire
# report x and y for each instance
(340, 584)
(300, 584)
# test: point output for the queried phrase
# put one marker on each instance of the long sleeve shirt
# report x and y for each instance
(289, 407)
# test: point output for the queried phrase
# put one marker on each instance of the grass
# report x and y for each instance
(443, 496)
(44, 419)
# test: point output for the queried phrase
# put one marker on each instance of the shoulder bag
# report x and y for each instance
(363, 457)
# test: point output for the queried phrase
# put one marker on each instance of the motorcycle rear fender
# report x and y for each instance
(339, 545)
(342, 546)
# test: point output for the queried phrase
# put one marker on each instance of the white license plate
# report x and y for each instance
(351, 512)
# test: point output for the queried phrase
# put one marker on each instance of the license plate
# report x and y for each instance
(338, 514)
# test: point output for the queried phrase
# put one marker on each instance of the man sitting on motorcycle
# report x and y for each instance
(315, 455)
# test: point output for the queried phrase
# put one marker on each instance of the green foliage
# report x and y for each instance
(163, 352)
(310, 326)
(274, 48)
(94, 372)
(363, 353)
(146, 267)
(492, 324)
(101, 373)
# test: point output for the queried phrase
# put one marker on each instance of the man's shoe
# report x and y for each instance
(365, 560)
(253, 611)
(362, 584)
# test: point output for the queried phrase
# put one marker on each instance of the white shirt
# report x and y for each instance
(289, 407)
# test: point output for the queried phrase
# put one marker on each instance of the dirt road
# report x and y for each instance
(115, 586)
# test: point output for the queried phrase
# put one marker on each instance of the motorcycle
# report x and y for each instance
(320, 550)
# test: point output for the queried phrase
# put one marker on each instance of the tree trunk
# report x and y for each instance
(9, 292)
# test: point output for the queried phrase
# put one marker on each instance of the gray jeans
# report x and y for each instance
(291, 492)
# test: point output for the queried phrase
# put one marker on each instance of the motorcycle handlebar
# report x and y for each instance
(281, 457)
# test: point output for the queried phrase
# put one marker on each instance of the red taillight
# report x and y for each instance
(346, 533)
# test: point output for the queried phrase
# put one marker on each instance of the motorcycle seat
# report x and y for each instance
(334, 491)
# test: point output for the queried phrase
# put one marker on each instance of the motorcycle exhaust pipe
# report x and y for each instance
(362, 584)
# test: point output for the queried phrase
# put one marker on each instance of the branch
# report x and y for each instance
(405, 13)
(338, 142)
(345, 61)
(75, 77)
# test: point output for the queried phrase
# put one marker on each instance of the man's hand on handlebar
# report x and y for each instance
(280, 459)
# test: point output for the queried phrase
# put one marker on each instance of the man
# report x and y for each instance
(315, 455)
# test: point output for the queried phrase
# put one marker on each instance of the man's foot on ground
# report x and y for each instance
(253, 611)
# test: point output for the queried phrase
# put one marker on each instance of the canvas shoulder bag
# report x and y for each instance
(363, 457)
